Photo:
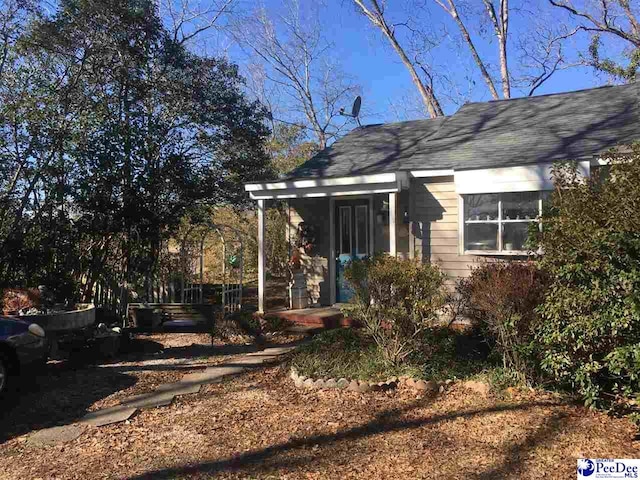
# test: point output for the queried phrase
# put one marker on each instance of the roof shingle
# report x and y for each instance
(565, 126)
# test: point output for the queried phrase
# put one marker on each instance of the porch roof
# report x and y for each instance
(565, 126)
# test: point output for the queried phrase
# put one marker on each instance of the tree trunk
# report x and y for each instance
(377, 19)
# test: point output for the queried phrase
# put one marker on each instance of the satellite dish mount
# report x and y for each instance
(355, 110)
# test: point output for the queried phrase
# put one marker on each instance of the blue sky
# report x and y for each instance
(387, 91)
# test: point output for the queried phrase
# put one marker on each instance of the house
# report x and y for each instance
(449, 190)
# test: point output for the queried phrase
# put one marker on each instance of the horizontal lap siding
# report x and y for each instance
(314, 212)
(436, 208)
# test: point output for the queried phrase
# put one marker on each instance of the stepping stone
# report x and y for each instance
(278, 350)
(109, 415)
(149, 400)
(214, 373)
(56, 435)
(180, 388)
(211, 374)
(253, 361)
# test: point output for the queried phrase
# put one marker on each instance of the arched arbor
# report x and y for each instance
(227, 270)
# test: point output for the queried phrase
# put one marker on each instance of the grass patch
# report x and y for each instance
(346, 353)
(350, 354)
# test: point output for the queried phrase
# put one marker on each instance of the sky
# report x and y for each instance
(387, 90)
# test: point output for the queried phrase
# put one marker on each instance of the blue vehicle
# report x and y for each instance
(21, 344)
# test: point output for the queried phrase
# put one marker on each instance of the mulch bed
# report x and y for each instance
(258, 426)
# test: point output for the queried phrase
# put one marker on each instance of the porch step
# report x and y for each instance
(328, 317)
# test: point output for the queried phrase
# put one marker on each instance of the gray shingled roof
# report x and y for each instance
(565, 126)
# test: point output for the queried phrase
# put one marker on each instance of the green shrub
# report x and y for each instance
(395, 300)
(502, 297)
(590, 329)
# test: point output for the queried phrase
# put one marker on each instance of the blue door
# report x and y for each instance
(352, 241)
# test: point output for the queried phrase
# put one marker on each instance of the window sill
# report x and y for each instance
(496, 253)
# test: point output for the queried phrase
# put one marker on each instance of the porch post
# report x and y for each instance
(393, 209)
(261, 263)
(332, 251)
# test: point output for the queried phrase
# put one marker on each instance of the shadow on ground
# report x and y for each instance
(62, 392)
(311, 449)
(55, 395)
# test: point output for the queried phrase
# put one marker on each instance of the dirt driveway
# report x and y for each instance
(258, 426)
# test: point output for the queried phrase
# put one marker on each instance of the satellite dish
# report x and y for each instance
(355, 110)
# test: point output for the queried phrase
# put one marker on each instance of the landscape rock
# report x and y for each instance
(420, 385)
(432, 386)
(364, 387)
(293, 374)
(343, 383)
(410, 382)
(319, 383)
(308, 383)
(331, 383)
(481, 388)
(354, 386)
(298, 382)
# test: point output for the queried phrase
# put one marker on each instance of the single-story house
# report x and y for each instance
(449, 190)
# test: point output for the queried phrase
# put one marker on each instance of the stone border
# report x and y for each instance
(430, 387)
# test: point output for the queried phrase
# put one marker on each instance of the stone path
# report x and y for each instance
(161, 396)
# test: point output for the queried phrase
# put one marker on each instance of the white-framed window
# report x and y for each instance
(362, 230)
(345, 246)
(499, 222)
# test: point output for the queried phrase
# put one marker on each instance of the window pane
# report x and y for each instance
(519, 206)
(481, 236)
(345, 230)
(481, 207)
(362, 232)
(515, 235)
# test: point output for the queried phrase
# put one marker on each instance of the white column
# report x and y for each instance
(372, 232)
(261, 263)
(332, 251)
(393, 210)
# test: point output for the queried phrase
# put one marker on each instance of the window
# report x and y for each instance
(362, 230)
(345, 230)
(499, 222)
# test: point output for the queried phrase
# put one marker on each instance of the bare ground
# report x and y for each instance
(258, 426)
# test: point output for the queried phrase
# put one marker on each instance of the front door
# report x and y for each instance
(352, 240)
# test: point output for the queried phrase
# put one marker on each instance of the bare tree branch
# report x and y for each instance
(295, 58)
(375, 14)
(451, 9)
(604, 25)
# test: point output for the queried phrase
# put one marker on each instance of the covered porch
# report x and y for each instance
(340, 219)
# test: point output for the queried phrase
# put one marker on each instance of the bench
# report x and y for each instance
(168, 316)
